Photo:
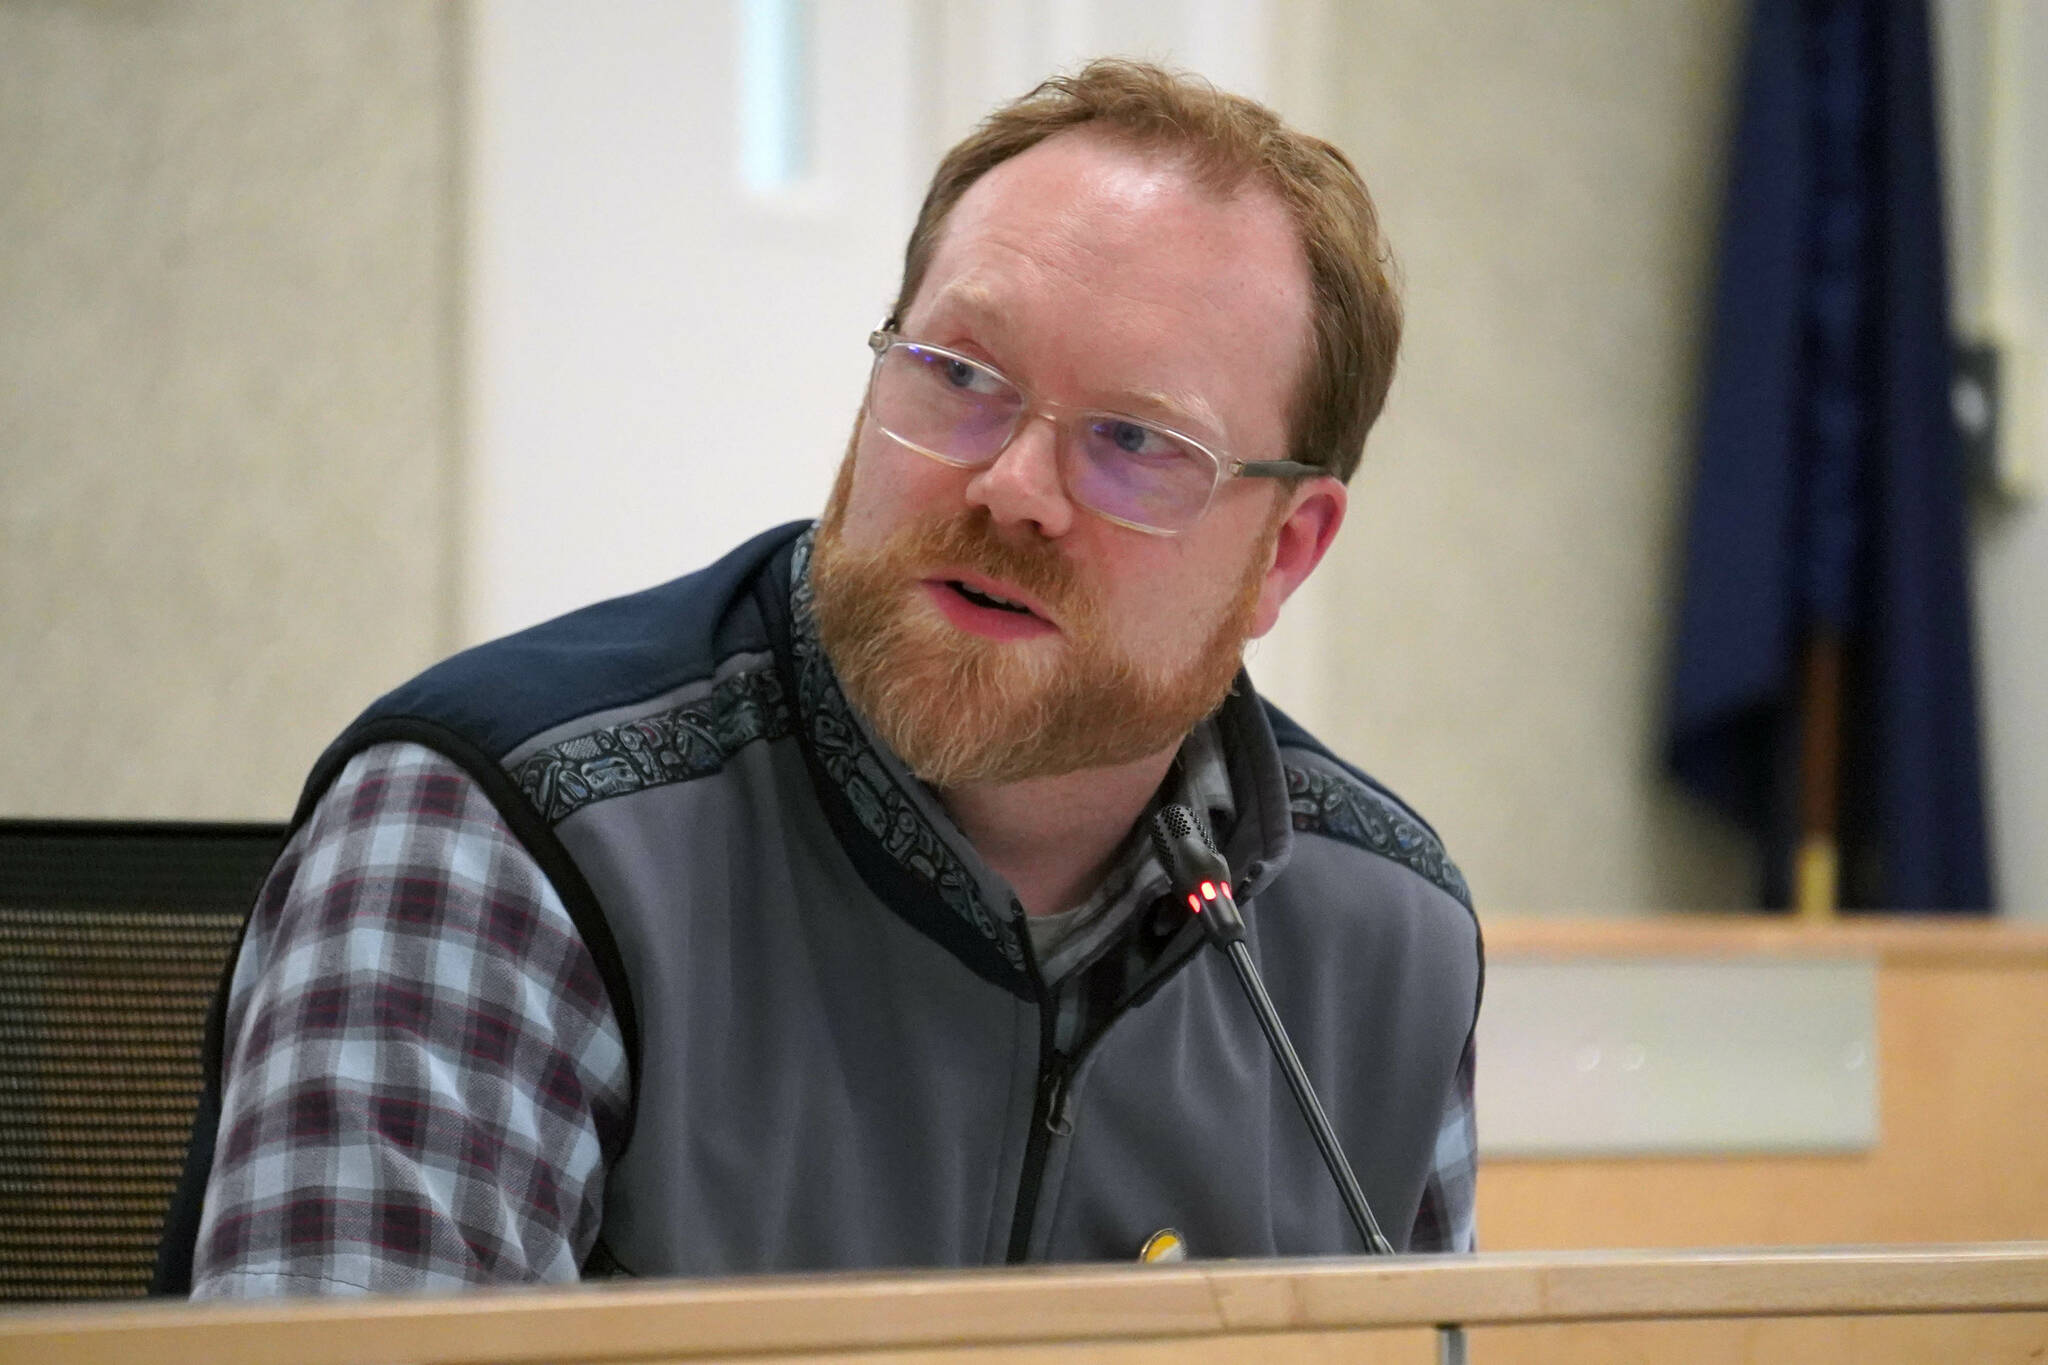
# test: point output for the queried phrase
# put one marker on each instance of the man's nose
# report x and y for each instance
(1023, 486)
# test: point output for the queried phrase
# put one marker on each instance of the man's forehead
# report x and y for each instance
(972, 302)
(1121, 235)
(1083, 181)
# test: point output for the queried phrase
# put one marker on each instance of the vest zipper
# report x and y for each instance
(1051, 1087)
(1048, 1120)
(1049, 1108)
(1056, 1106)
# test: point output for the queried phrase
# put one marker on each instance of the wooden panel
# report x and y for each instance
(1414, 1346)
(1963, 1094)
(1963, 1078)
(2014, 1339)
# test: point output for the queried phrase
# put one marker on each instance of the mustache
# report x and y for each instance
(969, 541)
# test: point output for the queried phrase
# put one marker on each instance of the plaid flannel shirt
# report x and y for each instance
(422, 1075)
(421, 1070)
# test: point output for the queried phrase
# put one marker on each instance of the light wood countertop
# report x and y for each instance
(1890, 939)
(1049, 1304)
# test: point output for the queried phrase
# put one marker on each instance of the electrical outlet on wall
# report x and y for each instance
(1998, 401)
(1976, 402)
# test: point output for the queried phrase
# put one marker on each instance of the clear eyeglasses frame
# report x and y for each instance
(964, 413)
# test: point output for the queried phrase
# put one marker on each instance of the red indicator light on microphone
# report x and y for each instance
(1194, 904)
(1208, 891)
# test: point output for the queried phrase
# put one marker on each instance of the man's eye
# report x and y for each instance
(1129, 436)
(963, 375)
(1136, 439)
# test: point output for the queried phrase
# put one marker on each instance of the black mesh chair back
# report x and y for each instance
(113, 937)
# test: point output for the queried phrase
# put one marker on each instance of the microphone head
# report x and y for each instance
(1173, 823)
(1185, 848)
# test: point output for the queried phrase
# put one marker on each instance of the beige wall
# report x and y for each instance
(1550, 176)
(226, 413)
(231, 509)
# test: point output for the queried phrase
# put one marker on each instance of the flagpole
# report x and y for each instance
(1816, 876)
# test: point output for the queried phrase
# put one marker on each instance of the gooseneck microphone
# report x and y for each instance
(1201, 877)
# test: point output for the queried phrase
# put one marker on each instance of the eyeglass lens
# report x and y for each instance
(964, 414)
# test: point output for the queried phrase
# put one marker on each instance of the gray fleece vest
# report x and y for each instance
(843, 1051)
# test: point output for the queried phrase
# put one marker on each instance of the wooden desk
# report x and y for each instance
(1964, 1094)
(1291, 1310)
(1963, 1106)
(1962, 1085)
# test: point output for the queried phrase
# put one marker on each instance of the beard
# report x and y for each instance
(961, 709)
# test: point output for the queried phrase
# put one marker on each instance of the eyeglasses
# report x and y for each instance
(964, 413)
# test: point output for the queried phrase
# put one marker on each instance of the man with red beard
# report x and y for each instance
(800, 913)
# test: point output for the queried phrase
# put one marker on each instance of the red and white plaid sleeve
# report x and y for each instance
(1447, 1219)
(423, 1077)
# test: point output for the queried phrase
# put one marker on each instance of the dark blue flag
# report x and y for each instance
(1830, 503)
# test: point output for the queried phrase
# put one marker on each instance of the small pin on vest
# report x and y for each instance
(1163, 1245)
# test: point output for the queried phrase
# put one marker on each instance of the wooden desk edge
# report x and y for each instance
(1899, 940)
(1039, 1305)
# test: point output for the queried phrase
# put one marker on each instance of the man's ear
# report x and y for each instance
(1314, 511)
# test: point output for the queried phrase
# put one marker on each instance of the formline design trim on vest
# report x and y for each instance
(1323, 803)
(690, 741)
(881, 805)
